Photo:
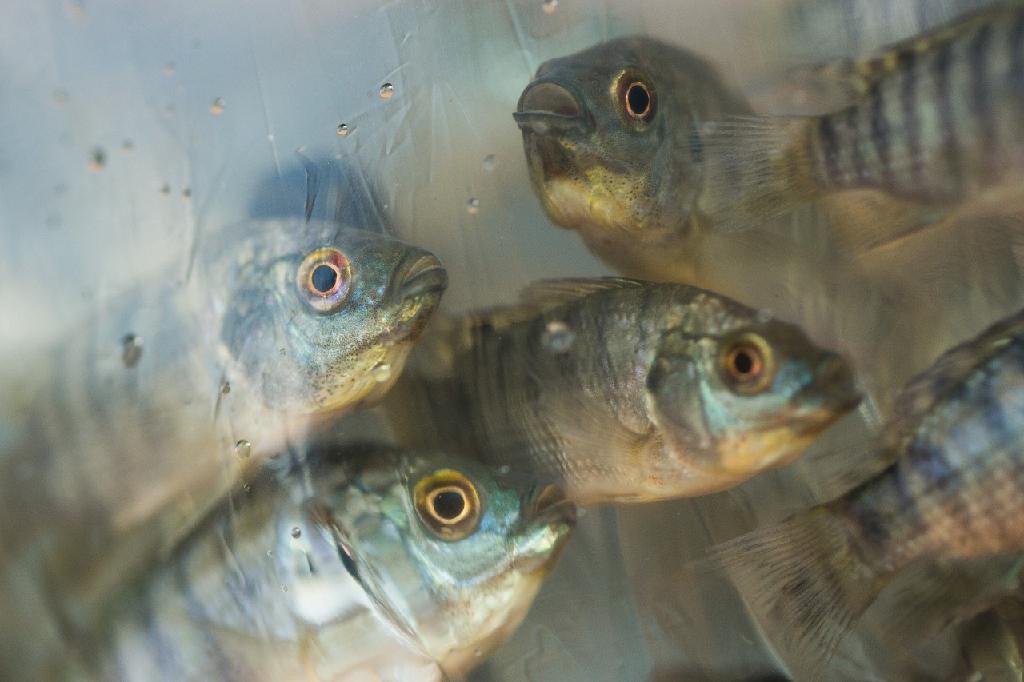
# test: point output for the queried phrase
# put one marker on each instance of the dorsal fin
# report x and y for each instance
(549, 293)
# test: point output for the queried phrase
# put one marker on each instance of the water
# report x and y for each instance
(208, 103)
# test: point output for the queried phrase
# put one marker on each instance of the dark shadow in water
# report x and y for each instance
(322, 188)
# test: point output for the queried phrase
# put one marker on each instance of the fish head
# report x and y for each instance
(750, 398)
(456, 555)
(611, 136)
(320, 323)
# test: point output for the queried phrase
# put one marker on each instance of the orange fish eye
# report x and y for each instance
(747, 364)
(324, 278)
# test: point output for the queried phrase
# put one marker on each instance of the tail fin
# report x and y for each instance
(803, 581)
(758, 168)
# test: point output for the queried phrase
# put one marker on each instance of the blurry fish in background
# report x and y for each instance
(360, 562)
(129, 430)
(623, 391)
(936, 119)
(953, 493)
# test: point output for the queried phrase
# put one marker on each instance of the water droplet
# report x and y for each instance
(296, 532)
(557, 337)
(381, 372)
(342, 130)
(225, 387)
(165, 189)
(131, 350)
(387, 91)
(217, 108)
(284, 588)
(243, 449)
(270, 552)
(247, 488)
(186, 194)
(473, 206)
(504, 469)
(490, 162)
(168, 69)
(550, 6)
(127, 146)
(97, 160)
(60, 97)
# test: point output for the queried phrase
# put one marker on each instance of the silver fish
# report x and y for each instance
(140, 421)
(626, 391)
(363, 563)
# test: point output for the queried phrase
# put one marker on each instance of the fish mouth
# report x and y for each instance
(549, 518)
(546, 106)
(420, 274)
(834, 387)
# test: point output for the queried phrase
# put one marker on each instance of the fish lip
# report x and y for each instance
(543, 120)
(421, 273)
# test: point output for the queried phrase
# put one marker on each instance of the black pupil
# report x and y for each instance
(638, 98)
(324, 278)
(742, 362)
(449, 504)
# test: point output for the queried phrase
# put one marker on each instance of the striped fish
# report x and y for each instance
(619, 390)
(936, 119)
(361, 563)
(128, 431)
(955, 491)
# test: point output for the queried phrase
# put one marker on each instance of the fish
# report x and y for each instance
(613, 137)
(933, 120)
(952, 492)
(128, 430)
(360, 561)
(620, 390)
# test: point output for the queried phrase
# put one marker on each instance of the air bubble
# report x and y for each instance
(131, 350)
(490, 162)
(549, 6)
(217, 108)
(296, 532)
(342, 130)
(473, 206)
(186, 194)
(225, 387)
(243, 449)
(165, 189)
(97, 160)
(557, 337)
(387, 91)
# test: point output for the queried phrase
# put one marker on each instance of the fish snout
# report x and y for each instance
(420, 273)
(547, 105)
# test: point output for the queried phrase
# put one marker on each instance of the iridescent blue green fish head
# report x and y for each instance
(748, 399)
(455, 552)
(612, 137)
(322, 317)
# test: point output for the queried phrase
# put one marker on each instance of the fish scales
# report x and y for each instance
(953, 492)
(615, 390)
(326, 570)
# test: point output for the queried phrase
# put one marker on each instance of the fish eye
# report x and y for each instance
(638, 100)
(448, 504)
(747, 364)
(636, 97)
(324, 279)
